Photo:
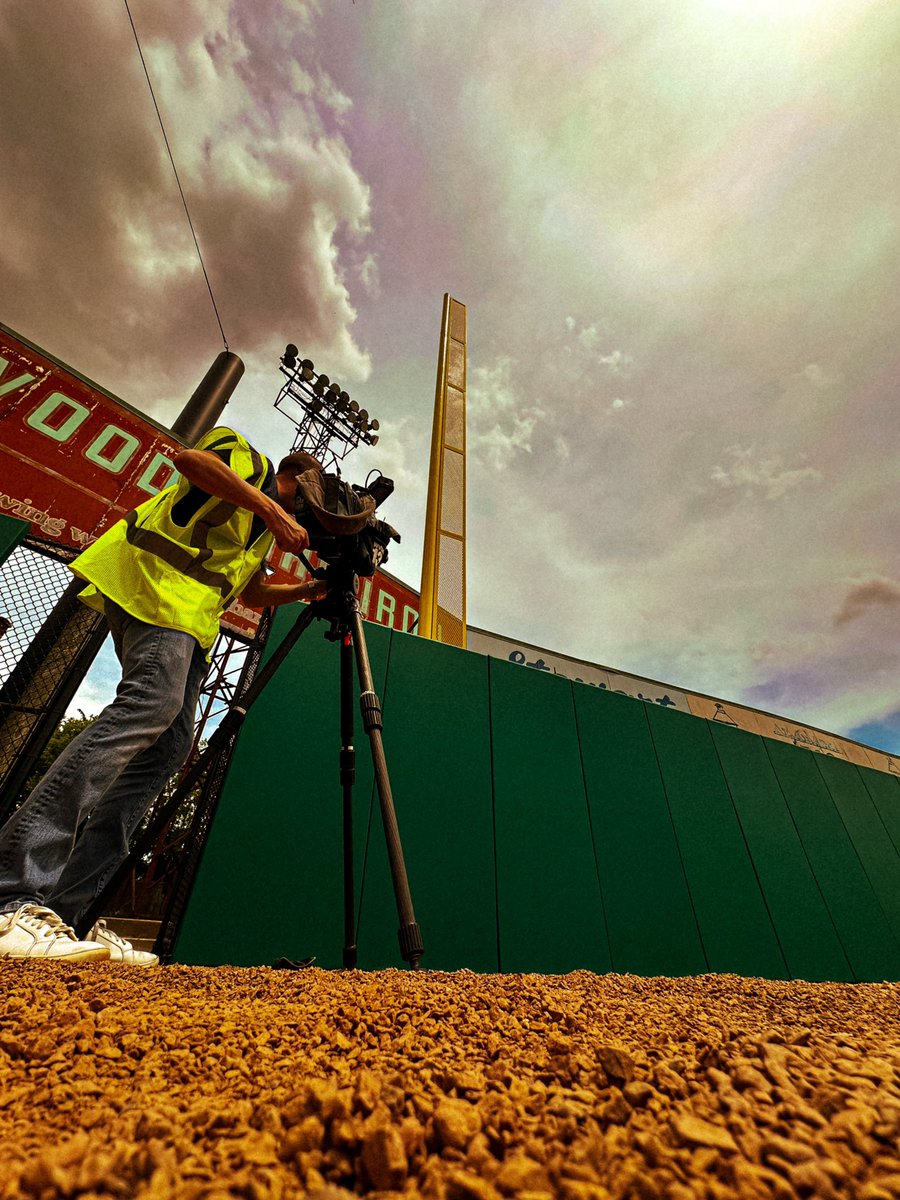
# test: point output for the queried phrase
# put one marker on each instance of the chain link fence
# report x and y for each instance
(45, 653)
(31, 583)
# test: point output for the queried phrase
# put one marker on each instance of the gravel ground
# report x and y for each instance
(231, 1082)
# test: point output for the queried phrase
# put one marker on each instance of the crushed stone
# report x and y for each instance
(214, 1083)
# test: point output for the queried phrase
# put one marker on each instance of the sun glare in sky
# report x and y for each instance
(818, 24)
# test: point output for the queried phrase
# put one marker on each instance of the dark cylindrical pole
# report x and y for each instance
(204, 408)
(348, 775)
(409, 933)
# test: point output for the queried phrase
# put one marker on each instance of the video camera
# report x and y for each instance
(340, 519)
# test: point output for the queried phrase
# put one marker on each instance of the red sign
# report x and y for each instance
(74, 459)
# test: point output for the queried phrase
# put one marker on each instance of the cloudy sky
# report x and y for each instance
(676, 228)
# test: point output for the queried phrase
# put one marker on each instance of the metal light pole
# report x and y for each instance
(202, 411)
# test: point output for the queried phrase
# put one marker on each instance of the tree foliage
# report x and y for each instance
(67, 730)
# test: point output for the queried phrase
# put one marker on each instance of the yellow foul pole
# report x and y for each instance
(442, 604)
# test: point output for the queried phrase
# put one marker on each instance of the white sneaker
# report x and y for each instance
(33, 931)
(119, 949)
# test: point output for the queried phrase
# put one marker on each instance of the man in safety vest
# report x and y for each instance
(162, 577)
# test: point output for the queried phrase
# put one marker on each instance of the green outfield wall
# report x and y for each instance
(12, 532)
(547, 826)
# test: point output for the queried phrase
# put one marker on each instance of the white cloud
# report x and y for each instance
(588, 337)
(817, 375)
(92, 207)
(767, 478)
(501, 424)
(839, 674)
(368, 275)
(617, 361)
(591, 344)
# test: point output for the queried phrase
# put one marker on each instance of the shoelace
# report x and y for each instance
(103, 928)
(44, 922)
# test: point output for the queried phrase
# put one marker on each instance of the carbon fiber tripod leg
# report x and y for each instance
(348, 775)
(409, 933)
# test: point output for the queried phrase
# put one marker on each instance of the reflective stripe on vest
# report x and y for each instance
(151, 542)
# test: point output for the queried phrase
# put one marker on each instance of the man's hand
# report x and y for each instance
(287, 533)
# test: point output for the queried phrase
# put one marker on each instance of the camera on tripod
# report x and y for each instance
(340, 519)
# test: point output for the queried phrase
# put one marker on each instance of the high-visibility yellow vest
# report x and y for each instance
(175, 570)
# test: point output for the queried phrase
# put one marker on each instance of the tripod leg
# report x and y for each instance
(410, 936)
(237, 712)
(348, 775)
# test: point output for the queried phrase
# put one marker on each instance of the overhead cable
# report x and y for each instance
(175, 171)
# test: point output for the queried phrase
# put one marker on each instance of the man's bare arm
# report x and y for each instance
(260, 594)
(207, 471)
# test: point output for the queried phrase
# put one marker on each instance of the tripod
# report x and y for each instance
(341, 608)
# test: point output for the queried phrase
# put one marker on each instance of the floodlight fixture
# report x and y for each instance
(328, 423)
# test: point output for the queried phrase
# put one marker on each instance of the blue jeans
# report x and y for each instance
(72, 833)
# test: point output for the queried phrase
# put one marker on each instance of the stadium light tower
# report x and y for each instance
(328, 423)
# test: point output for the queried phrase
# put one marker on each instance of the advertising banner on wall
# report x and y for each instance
(652, 692)
(74, 459)
(572, 668)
